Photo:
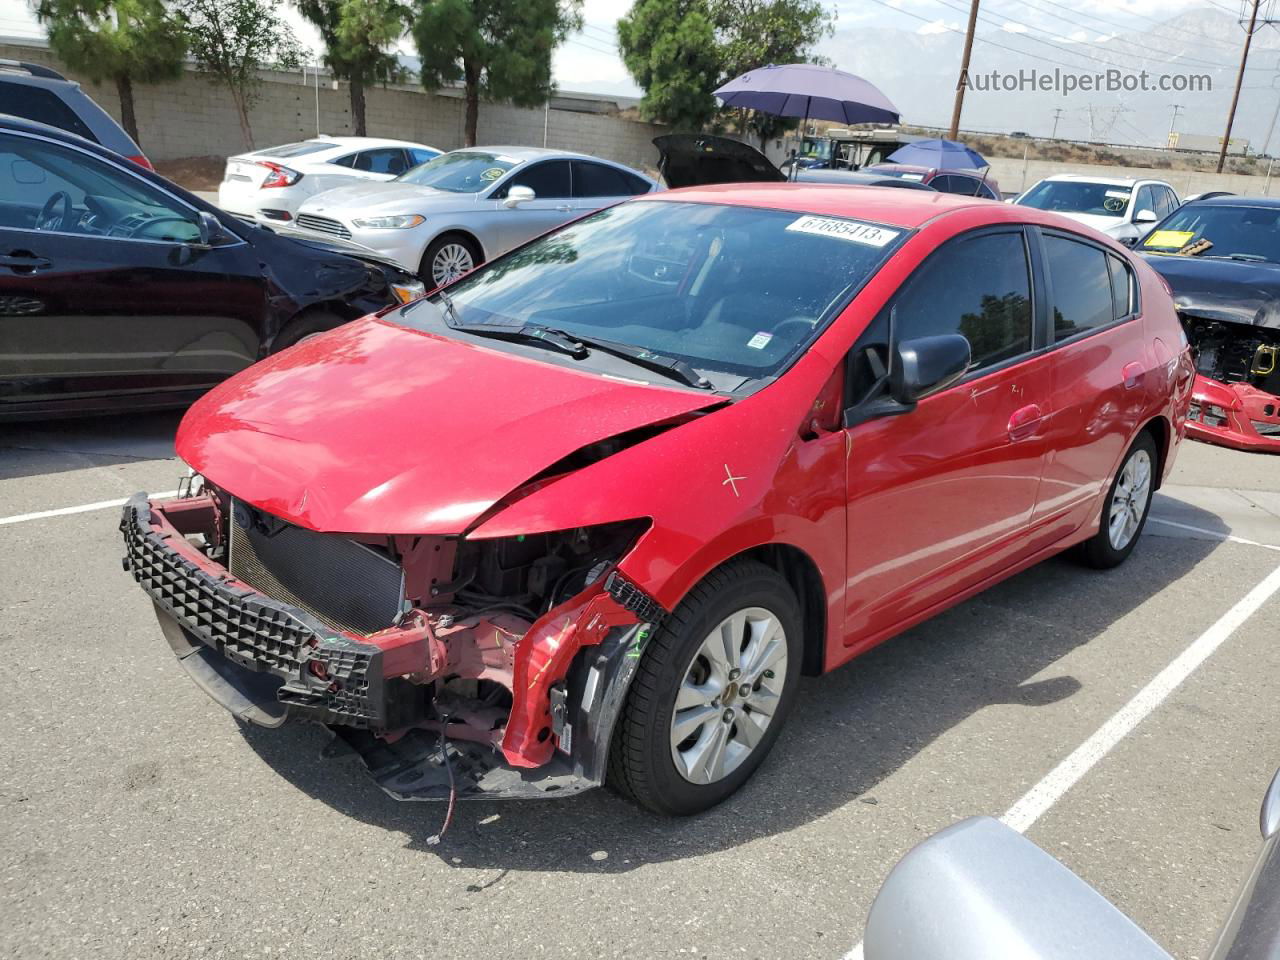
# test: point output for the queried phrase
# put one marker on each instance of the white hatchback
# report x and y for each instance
(1124, 208)
(268, 185)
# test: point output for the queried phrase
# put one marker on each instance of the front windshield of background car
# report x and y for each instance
(1245, 233)
(463, 171)
(816, 149)
(731, 290)
(1070, 196)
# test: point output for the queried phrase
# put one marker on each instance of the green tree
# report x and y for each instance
(499, 49)
(232, 40)
(358, 35)
(120, 41)
(669, 47)
(678, 51)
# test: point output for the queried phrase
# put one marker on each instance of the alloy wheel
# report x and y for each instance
(730, 692)
(451, 261)
(1129, 502)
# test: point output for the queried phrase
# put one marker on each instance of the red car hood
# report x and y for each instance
(374, 428)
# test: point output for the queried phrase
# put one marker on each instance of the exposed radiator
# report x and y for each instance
(345, 584)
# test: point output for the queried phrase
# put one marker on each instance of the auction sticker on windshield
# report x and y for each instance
(1169, 238)
(852, 230)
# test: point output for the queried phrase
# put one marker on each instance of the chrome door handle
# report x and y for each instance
(564, 208)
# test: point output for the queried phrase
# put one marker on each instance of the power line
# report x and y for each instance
(1115, 23)
(1058, 46)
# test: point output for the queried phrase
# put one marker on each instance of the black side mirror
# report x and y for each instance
(208, 227)
(926, 365)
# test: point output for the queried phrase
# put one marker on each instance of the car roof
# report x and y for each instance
(890, 205)
(530, 153)
(916, 168)
(1109, 181)
(1238, 201)
(365, 143)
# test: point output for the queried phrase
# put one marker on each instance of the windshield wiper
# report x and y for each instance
(526, 333)
(672, 367)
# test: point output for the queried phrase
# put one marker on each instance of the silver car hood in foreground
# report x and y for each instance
(386, 198)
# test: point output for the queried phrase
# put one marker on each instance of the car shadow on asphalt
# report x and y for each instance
(849, 730)
(42, 447)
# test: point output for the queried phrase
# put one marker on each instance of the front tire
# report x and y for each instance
(1124, 513)
(308, 325)
(712, 691)
(447, 258)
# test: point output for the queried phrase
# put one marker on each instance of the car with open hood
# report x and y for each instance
(1221, 258)
(121, 291)
(587, 514)
(700, 159)
(442, 218)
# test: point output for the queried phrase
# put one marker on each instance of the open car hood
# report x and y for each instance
(375, 428)
(1232, 291)
(696, 160)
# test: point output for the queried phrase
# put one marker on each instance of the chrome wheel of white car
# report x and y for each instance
(1129, 501)
(729, 695)
(451, 261)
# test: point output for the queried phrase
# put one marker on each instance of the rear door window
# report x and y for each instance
(43, 106)
(389, 160)
(547, 180)
(1081, 285)
(979, 287)
(599, 180)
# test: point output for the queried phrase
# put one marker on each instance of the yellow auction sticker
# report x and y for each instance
(1169, 238)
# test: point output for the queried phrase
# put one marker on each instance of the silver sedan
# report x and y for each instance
(460, 209)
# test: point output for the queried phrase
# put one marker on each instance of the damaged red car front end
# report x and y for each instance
(498, 677)
(1236, 415)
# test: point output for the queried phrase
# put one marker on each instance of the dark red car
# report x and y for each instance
(589, 513)
(967, 183)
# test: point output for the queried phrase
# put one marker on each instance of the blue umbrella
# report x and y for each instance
(810, 91)
(938, 155)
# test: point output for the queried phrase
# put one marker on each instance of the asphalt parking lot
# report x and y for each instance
(137, 819)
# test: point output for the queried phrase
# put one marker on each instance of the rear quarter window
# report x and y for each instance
(43, 106)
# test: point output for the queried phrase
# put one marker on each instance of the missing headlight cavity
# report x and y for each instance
(531, 574)
(1235, 352)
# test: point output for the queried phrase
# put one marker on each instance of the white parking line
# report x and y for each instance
(82, 508)
(1037, 801)
(1213, 534)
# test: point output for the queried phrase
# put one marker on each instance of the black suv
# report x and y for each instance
(120, 290)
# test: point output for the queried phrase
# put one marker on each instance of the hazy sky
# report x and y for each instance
(589, 60)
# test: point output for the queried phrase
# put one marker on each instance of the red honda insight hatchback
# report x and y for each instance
(588, 514)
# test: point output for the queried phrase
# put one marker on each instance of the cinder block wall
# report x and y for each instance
(192, 117)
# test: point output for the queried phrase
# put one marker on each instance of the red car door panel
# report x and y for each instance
(1100, 390)
(940, 497)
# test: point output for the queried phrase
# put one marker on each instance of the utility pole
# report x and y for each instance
(964, 70)
(1176, 107)
(1266, 144)
(1057, 115)
(1235, 97)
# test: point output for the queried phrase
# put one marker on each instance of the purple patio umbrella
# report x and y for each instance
(809, 91)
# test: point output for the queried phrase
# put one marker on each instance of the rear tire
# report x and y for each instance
(309, 324)
(682, 758)
(1124, 512)
(448, 257)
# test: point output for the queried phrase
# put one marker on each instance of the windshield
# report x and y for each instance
(817, 149)
(463, 171)
(1069, 196)
(1251, 233)
(733, 291)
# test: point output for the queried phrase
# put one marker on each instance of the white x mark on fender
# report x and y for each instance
(730, 479)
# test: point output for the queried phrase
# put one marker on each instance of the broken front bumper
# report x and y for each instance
(268, 662)
(1234, 415)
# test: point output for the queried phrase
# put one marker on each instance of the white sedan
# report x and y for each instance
(268, 185)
